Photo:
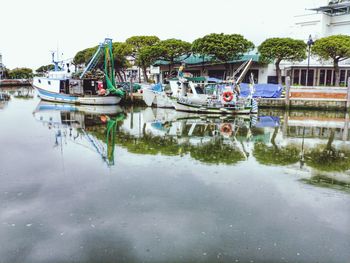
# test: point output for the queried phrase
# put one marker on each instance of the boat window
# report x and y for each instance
(39, 80)
(199, 90)
(49, 82)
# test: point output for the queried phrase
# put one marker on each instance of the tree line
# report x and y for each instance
(17, 73)
(222, 48)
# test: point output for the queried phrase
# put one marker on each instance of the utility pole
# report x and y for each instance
(1, 67)
(310, 42)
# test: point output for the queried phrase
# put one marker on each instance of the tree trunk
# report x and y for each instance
(273, 138)
(278, 72)
(336, 71)
(227, 67)
(330, 140)
(119, 76)
(144, 71)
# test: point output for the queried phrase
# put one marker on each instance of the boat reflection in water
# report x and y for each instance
(92, 127)
(316, 150)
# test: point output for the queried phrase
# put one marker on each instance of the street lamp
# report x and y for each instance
(309, 43)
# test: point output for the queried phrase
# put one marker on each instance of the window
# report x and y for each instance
(296, 77)
(322, 77)
(303, 77)
(49, 82)
(342, 77)
(329, 77)
(310, 77)
(39, 80)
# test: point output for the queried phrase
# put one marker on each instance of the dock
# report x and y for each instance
(322, 98)
(14, 82)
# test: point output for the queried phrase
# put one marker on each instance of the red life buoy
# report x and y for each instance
(100, 85)
(227, 96)
(103, 118)
(226, 129)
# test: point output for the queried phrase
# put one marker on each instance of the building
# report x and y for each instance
(333, 18)
(198, 65)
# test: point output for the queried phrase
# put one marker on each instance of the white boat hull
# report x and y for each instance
(87, 100)
(157, 99)
(181, 106)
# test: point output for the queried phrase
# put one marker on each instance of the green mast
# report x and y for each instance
(109, 68)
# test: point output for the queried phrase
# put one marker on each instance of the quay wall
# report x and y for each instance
(323, 98)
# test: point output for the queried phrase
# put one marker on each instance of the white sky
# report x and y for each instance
(32, 28)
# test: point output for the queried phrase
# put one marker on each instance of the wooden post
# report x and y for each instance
(131, 91)
(348, 96)
(346, 127)
(287, 92)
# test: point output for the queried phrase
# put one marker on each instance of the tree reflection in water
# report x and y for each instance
(275, 155)
(327, 157)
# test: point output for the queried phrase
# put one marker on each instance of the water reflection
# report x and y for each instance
(91, 127)
(309, 142)
(184, 188)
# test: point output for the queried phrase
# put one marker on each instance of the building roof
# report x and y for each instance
(335, 7)
(194, 59)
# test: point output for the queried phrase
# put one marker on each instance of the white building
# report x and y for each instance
(333, 18)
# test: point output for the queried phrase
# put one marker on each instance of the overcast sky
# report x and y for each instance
(32, 28)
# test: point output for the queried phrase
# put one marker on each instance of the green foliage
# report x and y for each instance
(139, 42)
(148, 55)
(21, 73)
(325, 158)
(84, 56)
(142, 51)
(327, 182)
(278, 49)
(45, 68)
(272, 155)
(215, 152)
(335, 47)
(171, 49)
(120, 51)
(222, 47)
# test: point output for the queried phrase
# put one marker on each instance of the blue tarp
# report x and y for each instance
(268, 121)
(157, 87)
(262, 90)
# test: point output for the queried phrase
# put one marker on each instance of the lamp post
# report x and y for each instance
(309, 43)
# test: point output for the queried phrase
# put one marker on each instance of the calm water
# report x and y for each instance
(145, 185)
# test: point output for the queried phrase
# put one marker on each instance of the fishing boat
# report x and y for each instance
(157, 96)
(225, 98)
(60, 86)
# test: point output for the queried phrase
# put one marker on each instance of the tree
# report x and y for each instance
(171, 49)
(45, 68)
(222, 47)
(120, 52)
(335, 47)
(84, 56)
(147, 56)
(21, 73)
(139, 43)
(278, 49)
